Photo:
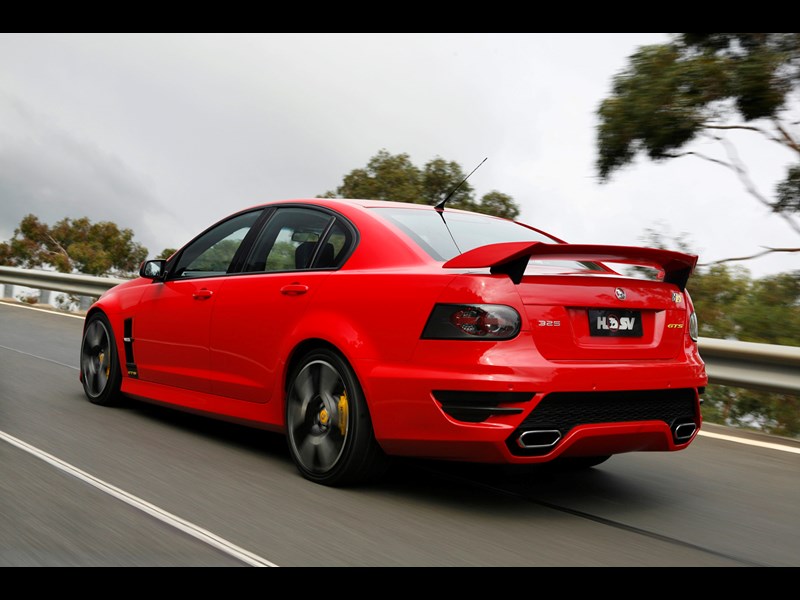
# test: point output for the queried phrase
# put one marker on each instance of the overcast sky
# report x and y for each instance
(167, 133)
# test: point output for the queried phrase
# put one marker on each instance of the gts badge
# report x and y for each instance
(543, 323)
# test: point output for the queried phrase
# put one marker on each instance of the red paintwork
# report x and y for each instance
(222, 346)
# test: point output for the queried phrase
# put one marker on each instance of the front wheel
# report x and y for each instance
(100, 370)
(329, 429)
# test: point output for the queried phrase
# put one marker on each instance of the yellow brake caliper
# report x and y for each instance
(343, 413)
(324, 415)
(101, 360)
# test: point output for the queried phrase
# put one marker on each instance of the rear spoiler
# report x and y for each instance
(512, 258)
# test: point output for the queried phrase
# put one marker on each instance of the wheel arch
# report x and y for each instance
(298, 352)
(347, 339)
(294, 358)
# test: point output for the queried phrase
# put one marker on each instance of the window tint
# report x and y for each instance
(212, 253)
(299, 238)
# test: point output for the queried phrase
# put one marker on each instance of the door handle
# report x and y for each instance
(203, 294)
(294, 289)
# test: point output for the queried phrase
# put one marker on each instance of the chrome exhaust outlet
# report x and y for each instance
(538, 438)
(684, 431)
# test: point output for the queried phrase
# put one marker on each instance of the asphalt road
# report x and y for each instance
(83, 485)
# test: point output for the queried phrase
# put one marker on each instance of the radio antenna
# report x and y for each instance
(440, 207)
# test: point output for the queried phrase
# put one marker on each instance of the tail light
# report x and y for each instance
(694, 329)
(472, 322)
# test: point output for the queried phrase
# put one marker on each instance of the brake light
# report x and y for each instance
(472, 322)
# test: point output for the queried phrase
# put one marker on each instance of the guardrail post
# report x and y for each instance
(8, 291)
(86, 302)
(44, 296)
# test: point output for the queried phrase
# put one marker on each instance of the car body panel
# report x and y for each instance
(172, 332)
(227, 345)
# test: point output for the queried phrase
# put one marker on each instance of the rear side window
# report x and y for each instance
(299, 238)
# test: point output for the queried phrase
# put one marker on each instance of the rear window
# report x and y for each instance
(465, 231)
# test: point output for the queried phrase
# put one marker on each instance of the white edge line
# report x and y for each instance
(44, 310)
(738, 440)
(152, 510)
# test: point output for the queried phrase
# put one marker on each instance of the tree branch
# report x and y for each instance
(750, 187)
(788, 139)
(767, 250)
(736, 166)
(61, 249)
(700, 155)
(767, 134)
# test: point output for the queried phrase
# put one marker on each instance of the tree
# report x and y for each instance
(394, 177)
(732, 305)
(703, 85)
(73, 245)
(717, 294)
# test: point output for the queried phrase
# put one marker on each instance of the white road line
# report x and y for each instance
(45, 310)
(738, 440)
(197, 532)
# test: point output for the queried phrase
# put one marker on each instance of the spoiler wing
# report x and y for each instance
(512, 258)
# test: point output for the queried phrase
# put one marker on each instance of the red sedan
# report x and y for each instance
(367, 329)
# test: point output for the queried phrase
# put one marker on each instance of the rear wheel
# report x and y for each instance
(329, 430)
(100, 370)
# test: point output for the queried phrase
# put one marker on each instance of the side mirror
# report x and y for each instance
(153, 269)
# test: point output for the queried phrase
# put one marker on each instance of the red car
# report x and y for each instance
(368, 329)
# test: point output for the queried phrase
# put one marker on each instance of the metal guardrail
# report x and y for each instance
(68, 283)
(763, 367)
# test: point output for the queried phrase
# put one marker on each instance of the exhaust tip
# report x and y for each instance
(684, 431)
(538, 438)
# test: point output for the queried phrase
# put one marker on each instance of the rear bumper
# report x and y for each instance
(533, 414)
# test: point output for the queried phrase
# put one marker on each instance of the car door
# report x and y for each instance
(171, 327)
(256, 311)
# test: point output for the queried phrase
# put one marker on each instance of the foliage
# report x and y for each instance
(704, 84)
(166, 253)
(73, 245)
(281, 257)
(217, 258)
(732, 305)
(395, 177)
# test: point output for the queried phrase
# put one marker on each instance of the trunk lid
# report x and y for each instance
(594, 314)
(600, 317)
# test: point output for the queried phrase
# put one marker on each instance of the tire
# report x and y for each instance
(100, 368)
(328, 427)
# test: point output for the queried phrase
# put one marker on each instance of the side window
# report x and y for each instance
(212, 253)
(340, 240)
(297, 238)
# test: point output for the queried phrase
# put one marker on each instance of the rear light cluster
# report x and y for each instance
(694, 329)
(472, 322)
